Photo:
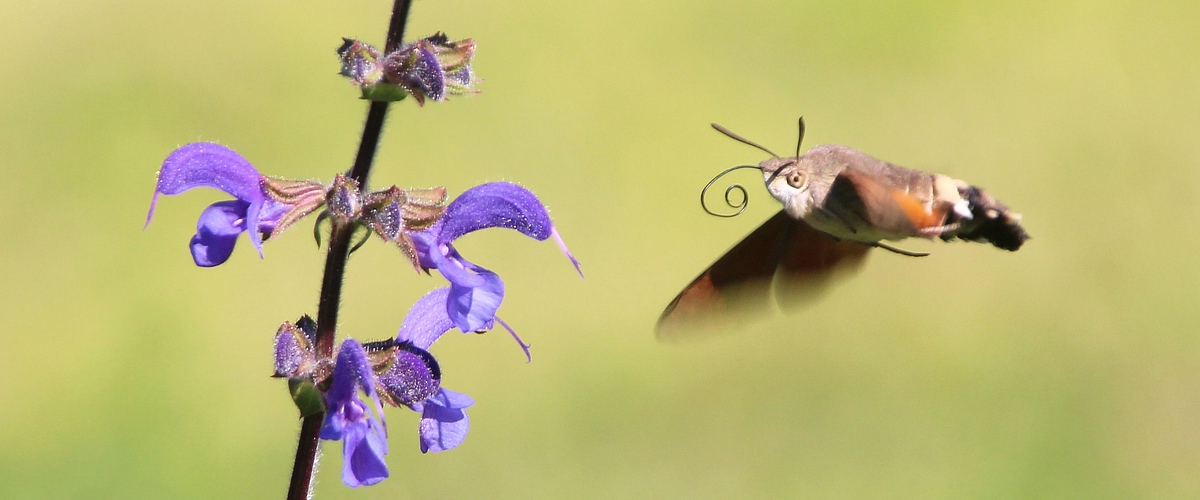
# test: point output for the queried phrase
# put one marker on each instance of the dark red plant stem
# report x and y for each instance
(396, 26)
(306, 458)
(335, 269)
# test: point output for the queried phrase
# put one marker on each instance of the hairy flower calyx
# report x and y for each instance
(303, 198)
(433, 67)
(392, 213)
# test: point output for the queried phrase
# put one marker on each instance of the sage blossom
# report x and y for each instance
(476, 292)
(261, 206)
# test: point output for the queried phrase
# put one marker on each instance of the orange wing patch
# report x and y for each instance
(886, 208)
(921, 215)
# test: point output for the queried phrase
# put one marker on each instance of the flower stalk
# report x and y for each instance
(327, 381)
(335, 269)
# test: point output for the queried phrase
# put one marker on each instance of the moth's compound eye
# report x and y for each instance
(796, 179)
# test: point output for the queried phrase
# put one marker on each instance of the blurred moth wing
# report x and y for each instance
(784, 255)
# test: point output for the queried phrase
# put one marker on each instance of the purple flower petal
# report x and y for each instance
(206, 164)
(217, 231)
(427, 320)
(271, 213)
(495, 204)
(475, 292)
(424, 242)
(363, 433)
(363, 451)
(453, 267)
(473, 308)
(453, 400)
(351, 373)
(444, 422)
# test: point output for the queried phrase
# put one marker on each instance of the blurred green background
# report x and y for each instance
(1070, 369)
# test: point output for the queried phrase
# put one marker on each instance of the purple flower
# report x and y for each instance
(257, 204)
(444, 421)
(475, 292)
(415, 379)
(347, 418)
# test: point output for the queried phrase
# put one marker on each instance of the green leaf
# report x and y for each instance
(306, 396)
(384, 92)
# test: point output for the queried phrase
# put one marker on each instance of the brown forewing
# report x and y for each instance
(797, 258)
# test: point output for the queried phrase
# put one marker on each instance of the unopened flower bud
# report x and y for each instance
(344, 199)
(293, 350)
(393, 213)
(433, 67)
(360, 63)
(414, 376)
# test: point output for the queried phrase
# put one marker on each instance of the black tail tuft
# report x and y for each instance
(991, 222)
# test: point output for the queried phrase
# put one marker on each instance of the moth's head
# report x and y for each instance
(787, 179)
(788, 182)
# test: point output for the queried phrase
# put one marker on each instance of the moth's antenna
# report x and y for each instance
(800, 139)
(740, 207)
(741, 139)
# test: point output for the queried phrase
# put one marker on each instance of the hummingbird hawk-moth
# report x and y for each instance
(838, 203)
